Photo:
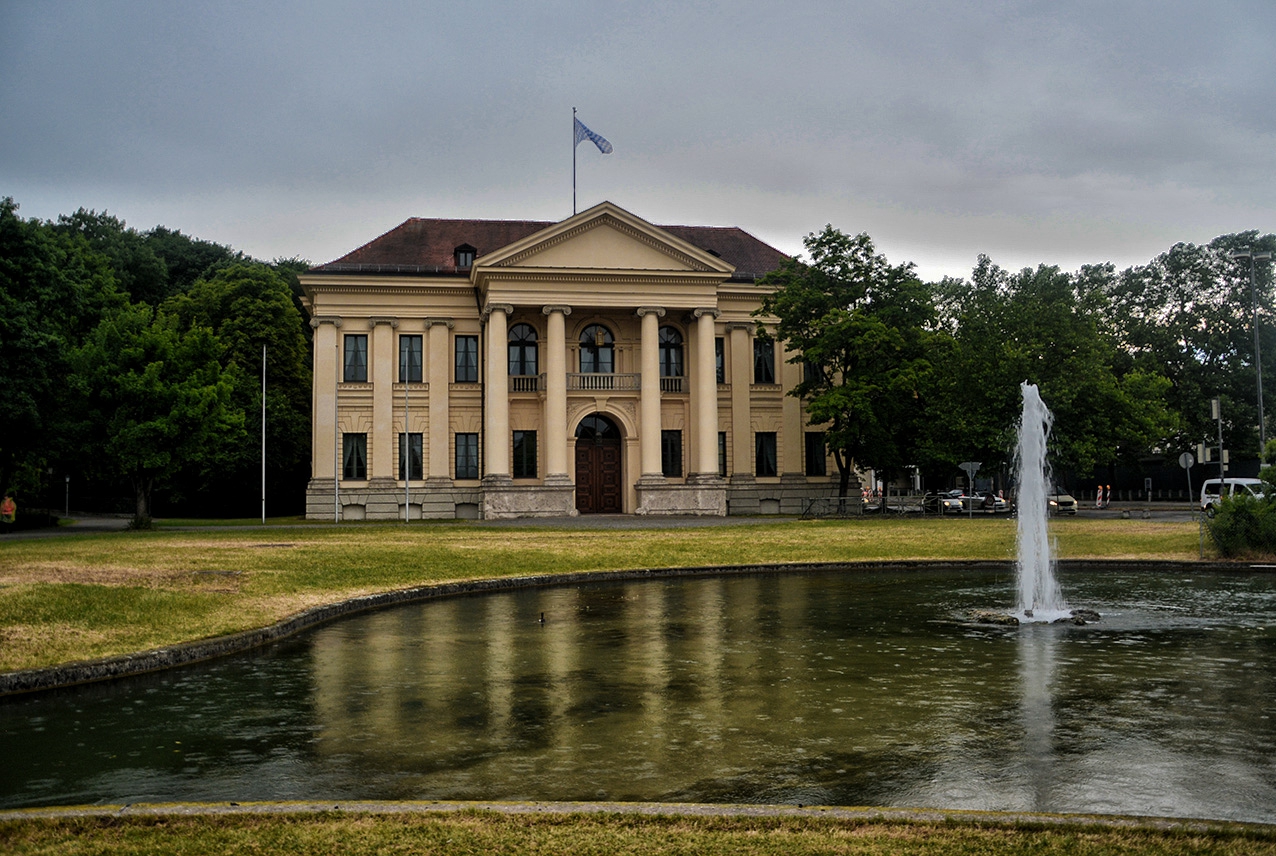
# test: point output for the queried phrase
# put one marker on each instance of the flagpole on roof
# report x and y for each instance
(574, 142)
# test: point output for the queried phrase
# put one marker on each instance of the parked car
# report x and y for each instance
(1213, 490)
(948, 502)
(1060, 501)
(986, 501)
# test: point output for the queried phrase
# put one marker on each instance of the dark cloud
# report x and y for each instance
(1034, 131)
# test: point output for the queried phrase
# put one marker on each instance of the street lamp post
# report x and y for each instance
(1258, 352)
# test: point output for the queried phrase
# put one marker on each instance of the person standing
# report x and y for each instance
(8, 513)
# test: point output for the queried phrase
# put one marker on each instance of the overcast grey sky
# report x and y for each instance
(1058, 132)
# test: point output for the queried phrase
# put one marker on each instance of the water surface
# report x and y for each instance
(859, 688)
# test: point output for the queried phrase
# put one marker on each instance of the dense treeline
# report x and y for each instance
(132, 362)
(133, 365)
(910, 374)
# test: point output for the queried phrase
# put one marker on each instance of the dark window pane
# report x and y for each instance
(719, 358)
(763, 361)
(597, 355)
(356, 359)
(722, 452)
(671, 453)
(467, 359)
(816, 456)
(467, 463)
(524, 455)
(354, 448)
(409, 359)
(416, 458)
(766, 458)
(522, 350)
(670, 352)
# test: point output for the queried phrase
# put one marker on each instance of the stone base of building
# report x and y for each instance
(382, 499)
(790, 495)
(502, 499)
(704, 497)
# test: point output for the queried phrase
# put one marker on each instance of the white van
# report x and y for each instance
(1210, 492)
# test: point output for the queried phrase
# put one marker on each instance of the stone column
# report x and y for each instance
(650, 400)
(706, 391)
(496, 400)
(440, 335)
(381, 370)
(741, 464)
(323, 414)
(792, 449)
(555, 416)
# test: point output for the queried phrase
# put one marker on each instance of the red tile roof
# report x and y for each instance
(428, 245)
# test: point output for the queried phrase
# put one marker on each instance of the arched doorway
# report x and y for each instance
(599, 481)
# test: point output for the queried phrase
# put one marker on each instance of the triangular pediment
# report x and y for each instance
(605, 238)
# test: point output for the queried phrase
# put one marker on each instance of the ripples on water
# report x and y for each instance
(850, 689)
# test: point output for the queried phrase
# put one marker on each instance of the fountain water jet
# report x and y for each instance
(1039, 596)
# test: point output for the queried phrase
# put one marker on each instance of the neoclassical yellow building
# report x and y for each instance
(601, 364)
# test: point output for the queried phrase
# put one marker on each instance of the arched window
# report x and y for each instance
(598, 429)
(597, 350)
(522, 350)
(670, 352)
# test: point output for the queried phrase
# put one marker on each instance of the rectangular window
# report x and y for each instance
(467, 359)
(524, 455)
(810, 372)
(722, 453)
(763, 361)
(720, 359)
(414, 456)
(356, 358)
(409, 359)
(816, 456)
(671, 454)
(354, 456)
(766, 458)
(467, 461)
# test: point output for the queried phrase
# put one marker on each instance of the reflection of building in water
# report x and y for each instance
(636, 690)
(518, 368)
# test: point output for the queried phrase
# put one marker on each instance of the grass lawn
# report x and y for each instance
(486, 832)
(83, 596)
(78, 597)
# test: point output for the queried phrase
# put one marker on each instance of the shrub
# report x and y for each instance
(1244, 526)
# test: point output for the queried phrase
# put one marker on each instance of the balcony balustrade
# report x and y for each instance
(603, 382)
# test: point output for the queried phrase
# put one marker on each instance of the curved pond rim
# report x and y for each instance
(854, 814)
(186, 653)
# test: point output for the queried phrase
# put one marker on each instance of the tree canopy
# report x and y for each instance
(132, 360)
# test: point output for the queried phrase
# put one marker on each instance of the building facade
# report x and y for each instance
(601, 364)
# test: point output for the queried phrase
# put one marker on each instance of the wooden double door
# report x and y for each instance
(599, 474)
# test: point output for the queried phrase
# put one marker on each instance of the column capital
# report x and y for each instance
(706, 310)
(550, 310)
(658, 311)
(325, 319)
(439, 322)
(373, 322)
(507, 308)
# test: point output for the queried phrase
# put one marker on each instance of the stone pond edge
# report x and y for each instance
(185, 653)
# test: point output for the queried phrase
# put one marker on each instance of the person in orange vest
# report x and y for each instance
(8, 510)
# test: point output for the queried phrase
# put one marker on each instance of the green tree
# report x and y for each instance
(53, 289)
(249, 306)
(861, 326)
(138, 271)
(1043, 326)
(1187, 315)
(188, 259)
(154, 400)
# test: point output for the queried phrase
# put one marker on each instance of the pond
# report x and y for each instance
(853, 688)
